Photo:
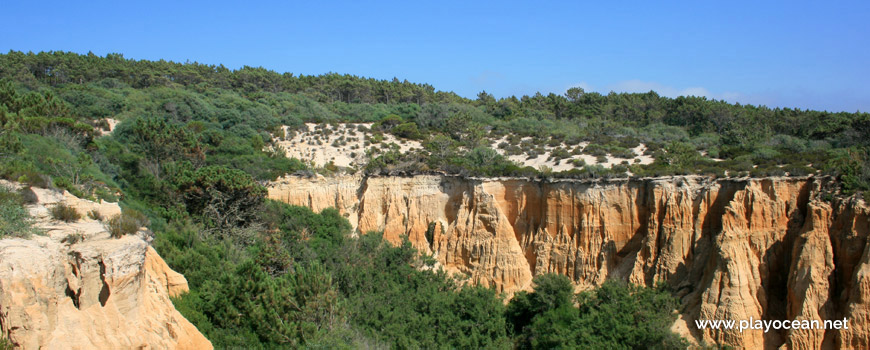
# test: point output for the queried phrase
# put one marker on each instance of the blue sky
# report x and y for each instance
(791, 54)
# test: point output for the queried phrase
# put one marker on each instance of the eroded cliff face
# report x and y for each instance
(734, 249)
(95, 292)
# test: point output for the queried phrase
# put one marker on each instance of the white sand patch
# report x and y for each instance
(644, 159)
(568, 163)
(112, 123)
(343, 144)
(705, 154)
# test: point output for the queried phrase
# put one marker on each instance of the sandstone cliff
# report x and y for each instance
(94, 293)
(733, 249)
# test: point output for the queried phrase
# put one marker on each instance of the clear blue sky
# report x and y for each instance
(791, 53)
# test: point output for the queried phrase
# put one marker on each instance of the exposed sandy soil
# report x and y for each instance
(544, 159)
(112, 124)
(345, 146)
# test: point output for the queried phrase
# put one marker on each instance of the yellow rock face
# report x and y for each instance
(99, 293)
(735, 249)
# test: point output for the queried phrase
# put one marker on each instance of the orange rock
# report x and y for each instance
(733, 249)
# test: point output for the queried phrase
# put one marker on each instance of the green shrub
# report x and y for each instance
(35, 179)
(553, 142)
(5, 344)
(220, 196)
(103, 124)
(852, 168)
(762, 154)
(619, 169)
(407, 130)
(27, 195)
(612, 316)
(713, 152)
(595, 150)
(560, 153)
(15, 221)
(64, 212)
(105, 194)
(125, 223)
(787, 143)
(767, 171)
(620, 152)
(376, 138)
(798, 170)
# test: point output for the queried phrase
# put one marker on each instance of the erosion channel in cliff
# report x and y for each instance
(767, 248)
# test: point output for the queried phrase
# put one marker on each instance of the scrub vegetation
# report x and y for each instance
(194, 145)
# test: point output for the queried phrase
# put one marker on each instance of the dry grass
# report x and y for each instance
(65, 213)
(125, 223)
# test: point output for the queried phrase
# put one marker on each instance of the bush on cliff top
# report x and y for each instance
(15, 221)
(64, 212)
(126, 223)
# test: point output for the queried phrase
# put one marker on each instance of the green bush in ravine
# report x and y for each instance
(613, 316)
(308, 283)
(330, 290)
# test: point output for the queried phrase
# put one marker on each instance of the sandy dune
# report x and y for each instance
(345, 145)
(342, 144)
(544, 159)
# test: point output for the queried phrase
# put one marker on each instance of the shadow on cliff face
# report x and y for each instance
(850, 289)
(104, 290)
(776, 262)
(710, 258)
(641, 205)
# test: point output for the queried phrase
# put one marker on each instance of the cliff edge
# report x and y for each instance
(77, 288)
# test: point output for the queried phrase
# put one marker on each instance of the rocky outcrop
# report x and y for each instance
(733, 249)
(76, 288)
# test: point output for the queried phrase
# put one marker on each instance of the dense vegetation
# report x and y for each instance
(194, 146)
(613, 316)
(685, 134)
(231, 113)
(308, 283)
